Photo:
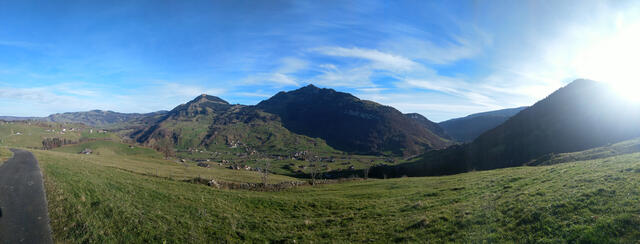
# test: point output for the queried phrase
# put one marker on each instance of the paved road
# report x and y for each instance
(23, 206)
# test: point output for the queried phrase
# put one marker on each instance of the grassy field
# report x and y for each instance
(31, 134)
(92, 199)
(146, 161)
(620, 148)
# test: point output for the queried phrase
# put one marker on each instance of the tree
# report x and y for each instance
(314, 172)
(366, 171)
(265, 171)
(166, 148)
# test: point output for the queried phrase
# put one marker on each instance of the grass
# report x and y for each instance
(31, 134)
(5, 154)
(109, 148)
(146, 161)
(93, 199)
(292, 167)
(620, 148)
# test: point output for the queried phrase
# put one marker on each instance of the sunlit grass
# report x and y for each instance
(29, 135)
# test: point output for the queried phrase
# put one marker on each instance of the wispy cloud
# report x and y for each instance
(66, 97)
(282, 75)
(356, 77)
(379, 60)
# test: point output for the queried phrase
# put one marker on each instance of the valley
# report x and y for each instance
(210, 171)
(301, 121)
(93, 200)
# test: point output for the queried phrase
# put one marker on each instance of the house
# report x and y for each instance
(204, 165)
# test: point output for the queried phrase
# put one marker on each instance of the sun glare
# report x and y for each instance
(614, 59)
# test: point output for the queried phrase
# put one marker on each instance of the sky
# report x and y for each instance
(442, 59)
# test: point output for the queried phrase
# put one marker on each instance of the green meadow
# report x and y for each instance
(113, 198)
(129, 194)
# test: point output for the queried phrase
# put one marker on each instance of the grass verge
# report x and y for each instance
(5, 154)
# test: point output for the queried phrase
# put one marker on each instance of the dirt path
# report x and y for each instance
(23, 206)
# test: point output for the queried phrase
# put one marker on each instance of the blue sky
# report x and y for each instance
(442, 59)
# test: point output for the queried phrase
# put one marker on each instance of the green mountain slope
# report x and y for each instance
(211, 123)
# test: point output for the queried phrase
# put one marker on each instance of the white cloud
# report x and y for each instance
(283, 75)
(292, 65)
(379, 60)
(425, 50)
(349, 77)
(71, 97)
(275, 79)
(435, 106)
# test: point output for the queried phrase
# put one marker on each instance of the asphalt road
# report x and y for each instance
(23, 206)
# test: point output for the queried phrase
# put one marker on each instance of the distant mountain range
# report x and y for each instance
(309, 117)
(14, 118)
(95, 118)
(304, 118)
(430, 125)
(584, 114)
(101, 118)
(468, 128)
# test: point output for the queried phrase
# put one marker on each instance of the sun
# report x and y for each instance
(630, 90)
(614, 59)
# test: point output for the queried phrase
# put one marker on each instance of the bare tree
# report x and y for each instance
(265, 171)
(166, 148)
(314, 172)
(366, 170)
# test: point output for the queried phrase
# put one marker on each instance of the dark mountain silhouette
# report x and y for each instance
(350, 124)
(430, 125)
(468, 128)
(585, 114)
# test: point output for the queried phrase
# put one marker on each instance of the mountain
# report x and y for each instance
(349, 124)
(100, 118)
(211, 123)
(582, 115)
(309, 118)
(185, 125)
(14, 118)
(468, 128)
(430, 125)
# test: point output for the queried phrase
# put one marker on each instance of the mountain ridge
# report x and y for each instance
(368, 127)
(468, 128)
(339, 119)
